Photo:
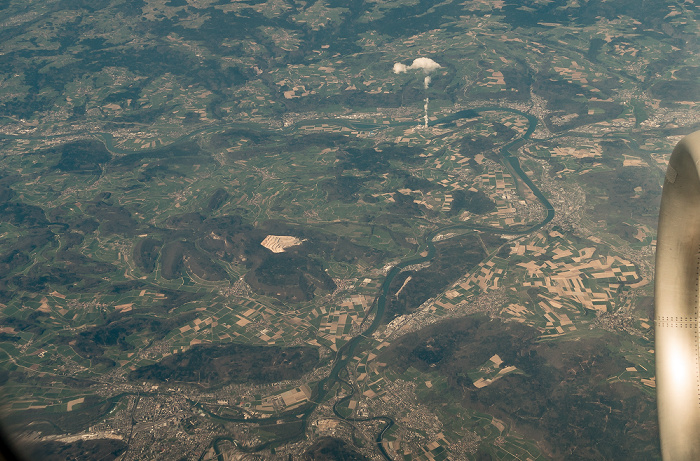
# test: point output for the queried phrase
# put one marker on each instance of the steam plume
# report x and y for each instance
(399, 68)
(427, 64)
(425, 117)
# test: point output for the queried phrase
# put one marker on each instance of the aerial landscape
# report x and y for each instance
(335, 230)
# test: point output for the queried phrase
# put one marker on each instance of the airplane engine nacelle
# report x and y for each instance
(677, 300)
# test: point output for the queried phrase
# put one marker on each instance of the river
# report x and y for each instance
(346, 352)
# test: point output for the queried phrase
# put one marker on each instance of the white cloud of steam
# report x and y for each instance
(427, 64)
(399, 68)
(425, 117)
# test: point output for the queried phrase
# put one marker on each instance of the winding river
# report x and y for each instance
(346, 352)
